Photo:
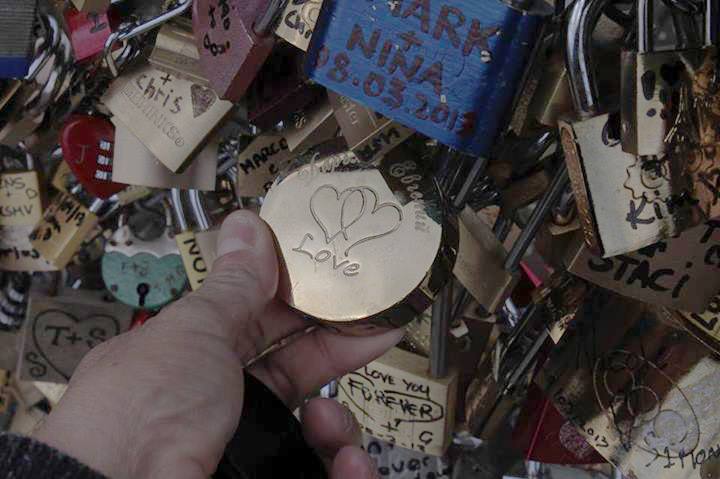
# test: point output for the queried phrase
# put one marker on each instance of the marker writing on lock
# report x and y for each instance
(261, 157)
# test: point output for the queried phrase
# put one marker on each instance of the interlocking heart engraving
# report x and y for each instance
(355, 204)
(90, 331)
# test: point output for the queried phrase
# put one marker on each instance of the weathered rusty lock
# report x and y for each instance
(413, 62)
(234, 38)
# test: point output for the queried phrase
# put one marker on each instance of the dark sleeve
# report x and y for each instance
(23, 458)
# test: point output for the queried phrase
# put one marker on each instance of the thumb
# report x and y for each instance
(243, 281)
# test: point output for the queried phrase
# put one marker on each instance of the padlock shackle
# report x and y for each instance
(581, 22)
(645, 18)
(144, 27)
(48, 45)
(199, 214)
(712, 10)
(180, 218)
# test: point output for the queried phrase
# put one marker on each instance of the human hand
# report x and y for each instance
(164, 399)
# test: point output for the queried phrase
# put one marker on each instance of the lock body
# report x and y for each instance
(402, 375)
(231, 52)
(341, 225)
(169, 114)
(63, 228)
(413, 61)
(369, 135)
(143, 274)
(88, 146)
(175, 52)
(192, 259)
(16, 36)
(624, 202)
(88, 32)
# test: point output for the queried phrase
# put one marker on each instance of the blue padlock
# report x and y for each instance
(17, 18)
(448, 69)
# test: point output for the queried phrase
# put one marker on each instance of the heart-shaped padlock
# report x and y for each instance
(87, 143)
(143, 274)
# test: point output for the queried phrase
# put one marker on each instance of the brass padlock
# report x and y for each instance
(19, 189)
(297, 22)
(394, 398)
(341, 225)
(369, 135)
(65, 225)
(171, 115)
(624, 202)
(175, 51)
(190, 253)
(678, 273)
(135, 164)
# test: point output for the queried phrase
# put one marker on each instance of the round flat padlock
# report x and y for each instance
(362, 244)
(88, 144)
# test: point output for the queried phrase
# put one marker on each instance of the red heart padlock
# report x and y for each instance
(87, 143)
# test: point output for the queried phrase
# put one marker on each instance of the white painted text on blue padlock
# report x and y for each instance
(448, 71)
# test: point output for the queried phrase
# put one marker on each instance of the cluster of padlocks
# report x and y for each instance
(530, 187)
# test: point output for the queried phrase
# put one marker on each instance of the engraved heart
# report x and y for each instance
(348, 207)
(62, 339)
(202, 99)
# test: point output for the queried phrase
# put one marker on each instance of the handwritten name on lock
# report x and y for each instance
(680, 273)
(60, 331)
(403, 463)
(20, 199)
(709, 320)
(413, 60)
(169, 114)
(395, 401)
(298, 22)
(258, 165)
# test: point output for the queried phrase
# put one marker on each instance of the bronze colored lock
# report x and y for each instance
(64, 226)
(678, 273)
(369, 135)
(425, 422)
(171, 115)
(363, 244)
(234, 39)
(62, 329)
(297, 22)
(135, 164)
(175, 51)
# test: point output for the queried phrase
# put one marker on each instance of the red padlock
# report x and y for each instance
(88, 145)
(88, 32)
(232, 41)
(544, 435)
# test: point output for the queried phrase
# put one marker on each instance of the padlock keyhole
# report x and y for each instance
(143, 290)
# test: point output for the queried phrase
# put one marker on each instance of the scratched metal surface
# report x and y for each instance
(643, 392)
(449, 72)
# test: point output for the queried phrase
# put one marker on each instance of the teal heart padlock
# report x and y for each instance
(145, 274)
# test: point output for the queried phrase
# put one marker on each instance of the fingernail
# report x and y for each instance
(352, 426)
(239, 232)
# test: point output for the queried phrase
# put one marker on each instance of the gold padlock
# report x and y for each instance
(63, 228)
(171, 115)
(175, 51)
(394, 398)
(369, 135)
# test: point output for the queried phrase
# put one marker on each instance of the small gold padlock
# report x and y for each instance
(297, 22)
(171, 115)
(63, 228)
(369, 135)
(394, 398)
(175, 51)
